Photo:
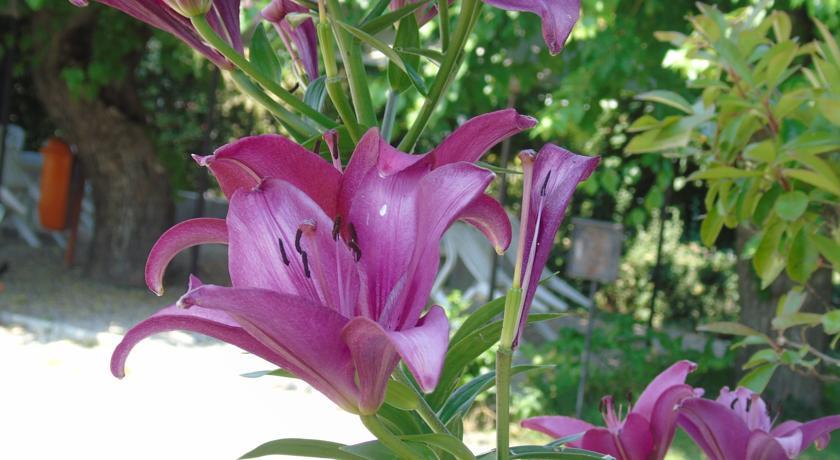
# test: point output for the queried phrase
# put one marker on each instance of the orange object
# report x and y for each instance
(55, 184)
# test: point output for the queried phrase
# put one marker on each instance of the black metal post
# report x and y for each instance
(587, 349)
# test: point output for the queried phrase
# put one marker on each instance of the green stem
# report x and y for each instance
(390, 115)
(207, 33)
(424, 410)
(351, 54)
(403, 450)
(293, 124)
(334, 89)
(443, 13)
(504, 358)
(469, 10)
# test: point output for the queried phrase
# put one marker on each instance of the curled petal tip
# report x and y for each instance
(500, 250)
(525, 121)
(79, 3)
(202, 160)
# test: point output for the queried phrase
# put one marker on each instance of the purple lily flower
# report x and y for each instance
(331, 270)
(737, 426)
(645, 433)
(300, 40)
(223, 16)
(558, 17)
(550, 179)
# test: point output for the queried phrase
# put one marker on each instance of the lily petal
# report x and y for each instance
(441, 197)
(601, 440)
(375, 351)
(558, 427)
(663, 419)
(635, 437)
(817, 431)
(557, 172)
(216, 324)
(489, 216)
(264, 227)
(674, 375)
(246, 162)
(474, 138)
(181, 236)
(762, 446)
(304, 35)
(716, 429)
(304, 335)
(558, 17)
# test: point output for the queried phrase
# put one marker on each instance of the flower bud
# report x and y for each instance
(190, 8)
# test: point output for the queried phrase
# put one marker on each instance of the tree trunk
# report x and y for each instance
(758, 308)
(130, 187)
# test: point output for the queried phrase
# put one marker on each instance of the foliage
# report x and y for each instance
(626, 357)
(765, 133)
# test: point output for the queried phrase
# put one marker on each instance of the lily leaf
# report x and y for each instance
(668, 98)
(446, 442)
(302, 448)
(315, 93)
(262, 54)
(392, 55)
(461, 400)
(374, 26)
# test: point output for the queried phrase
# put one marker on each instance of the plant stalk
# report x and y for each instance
(449, 66)
(354, 67)
(443, 15)
(423, 409)
(391, 441)
(333, 82)
(390, 115)
(207, 33)
(504, 361)
(293, 124)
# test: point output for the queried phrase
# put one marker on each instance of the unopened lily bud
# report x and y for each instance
(190, 8)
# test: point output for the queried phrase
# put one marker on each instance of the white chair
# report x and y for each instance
(19, 189)
(468, 246)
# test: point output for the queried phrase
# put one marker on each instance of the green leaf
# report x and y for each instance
(392, 55)
(758, 378)
(433, 55)
(262, 54)
(460, 401)
(729, 328)
(765, 204)
(711, 227)
(829, 107)
(302, 448)
(791, 205)
(547, 452)
(400, 396)
(408, 35)
(668, 98)
(813, 178)
(480, 317)
(828, 249)
(831, 322)
(446, 442)
(468, 349)
(377, 10)
(766, 260)
(791, 302)
(796, 319)
(374, 26)
(778, 59)
(768, 355)
(728, 51)
(802, 257)
(723, 172)
(275, 372)
(764, 151)
(371, 450)
(315, 93)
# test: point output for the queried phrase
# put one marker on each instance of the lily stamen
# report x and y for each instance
(283, 255)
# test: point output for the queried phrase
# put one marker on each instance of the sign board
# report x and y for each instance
(596, 250)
